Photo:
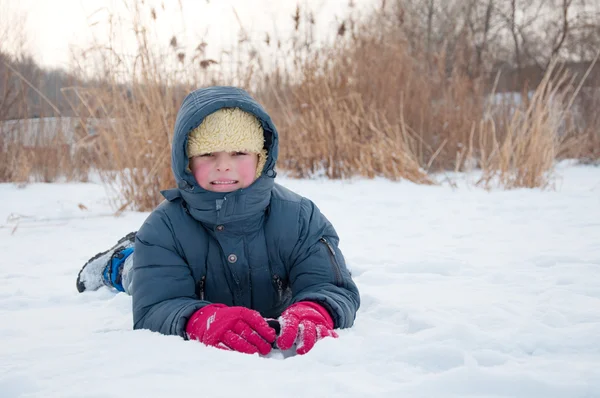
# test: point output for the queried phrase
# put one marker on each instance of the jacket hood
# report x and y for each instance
(218, 207)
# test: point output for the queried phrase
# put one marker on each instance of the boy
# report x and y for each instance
(229, 250)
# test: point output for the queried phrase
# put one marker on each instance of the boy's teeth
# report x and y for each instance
(224, 182)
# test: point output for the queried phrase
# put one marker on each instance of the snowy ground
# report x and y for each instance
(466, 293)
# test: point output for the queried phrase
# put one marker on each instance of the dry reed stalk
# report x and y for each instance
(341, 137)
(133, 145)
(369, 107)
(524, 155)
(371, 104)
(38, 150)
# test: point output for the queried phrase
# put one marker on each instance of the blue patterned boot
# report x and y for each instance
(106, 268)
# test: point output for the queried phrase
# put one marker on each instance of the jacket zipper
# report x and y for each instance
(333, 258)
(200, 287)
(201, 284)
(249, 272)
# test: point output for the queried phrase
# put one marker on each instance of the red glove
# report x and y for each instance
(231, 328)
(304, 323)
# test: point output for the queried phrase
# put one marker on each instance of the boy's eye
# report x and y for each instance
(205, 155)
(239, 153)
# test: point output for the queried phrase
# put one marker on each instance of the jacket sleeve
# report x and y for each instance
(318, 272)
(162, 288)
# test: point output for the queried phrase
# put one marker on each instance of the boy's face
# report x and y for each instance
(224, 171)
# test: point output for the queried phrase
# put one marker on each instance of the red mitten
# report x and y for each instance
(231, 328)
(304, 323)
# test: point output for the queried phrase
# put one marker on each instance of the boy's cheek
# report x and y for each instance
(192, 163)
(199, 176)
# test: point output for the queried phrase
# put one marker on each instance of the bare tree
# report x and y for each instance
(9, 91)
(430, 14)
(12, 43)
(485, 29)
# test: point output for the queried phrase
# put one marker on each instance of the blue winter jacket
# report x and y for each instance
(263, 247)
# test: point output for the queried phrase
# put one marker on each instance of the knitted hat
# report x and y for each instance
(229, 130)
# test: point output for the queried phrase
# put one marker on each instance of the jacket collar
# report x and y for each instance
(214, 208)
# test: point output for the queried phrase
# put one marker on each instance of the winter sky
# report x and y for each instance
(54, 28)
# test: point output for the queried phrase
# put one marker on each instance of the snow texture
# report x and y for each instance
(465, 293)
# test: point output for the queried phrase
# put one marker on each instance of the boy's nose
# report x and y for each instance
(223, 164)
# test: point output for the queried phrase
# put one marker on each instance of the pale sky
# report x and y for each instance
(53, 27)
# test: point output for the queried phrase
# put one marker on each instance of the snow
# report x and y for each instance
(465, 293)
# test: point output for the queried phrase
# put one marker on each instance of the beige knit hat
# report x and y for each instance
(229, 130)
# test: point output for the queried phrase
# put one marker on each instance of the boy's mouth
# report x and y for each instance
(224, 182)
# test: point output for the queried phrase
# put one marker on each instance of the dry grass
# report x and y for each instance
(340, 137)
(370, 104)
(368, 107)
(522, 154)
(583, 142)
(519, 147)
(13, 165)
(132, 148)
(39, 150)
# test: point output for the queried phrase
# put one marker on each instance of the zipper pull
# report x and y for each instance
(328, 246)
(279, 284)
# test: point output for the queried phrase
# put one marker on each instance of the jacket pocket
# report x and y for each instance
(337, 270)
